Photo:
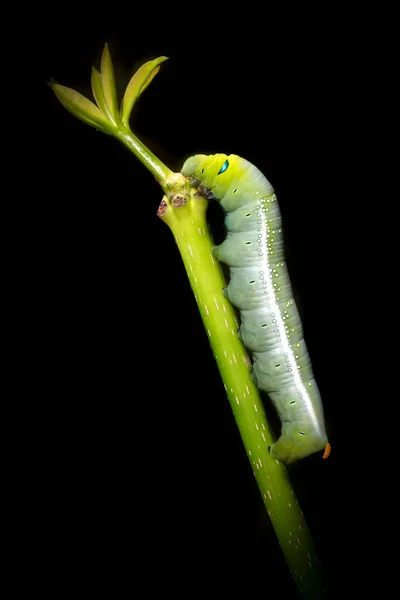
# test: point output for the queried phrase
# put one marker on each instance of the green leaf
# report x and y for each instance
(149, 79)
(98, 93)
(80, 107)
(108, 82)
(139, 82)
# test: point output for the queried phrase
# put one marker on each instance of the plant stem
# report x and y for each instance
(188, 224)
(184, 211)
(154, 164)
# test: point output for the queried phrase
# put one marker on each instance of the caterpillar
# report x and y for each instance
(260, 287)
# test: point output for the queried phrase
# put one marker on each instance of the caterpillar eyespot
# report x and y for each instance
(224, 167)
(260, 288)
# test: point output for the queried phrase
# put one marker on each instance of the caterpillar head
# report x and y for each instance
(215, 171)
(231, 179)
(206, 168)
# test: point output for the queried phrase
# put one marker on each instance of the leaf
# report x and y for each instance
(98, 93)
(108, 82)
(80, 107)
(149, 79)
(139, 82)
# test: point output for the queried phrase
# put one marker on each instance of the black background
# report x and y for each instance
(139, 478)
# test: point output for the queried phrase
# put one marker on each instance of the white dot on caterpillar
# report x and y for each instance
(237, 400)
(263, 436)
(206, 309)
(255, 407)
(226, 324)
(256, 426)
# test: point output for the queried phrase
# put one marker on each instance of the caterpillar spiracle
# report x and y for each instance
(260, 288)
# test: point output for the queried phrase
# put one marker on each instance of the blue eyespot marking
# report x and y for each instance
(224, 167)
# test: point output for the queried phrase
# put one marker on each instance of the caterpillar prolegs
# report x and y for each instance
(260, 288)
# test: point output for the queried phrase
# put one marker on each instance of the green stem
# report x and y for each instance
(188, 224)
(184, 211)
(154, 164)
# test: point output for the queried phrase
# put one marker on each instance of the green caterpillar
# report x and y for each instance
(260, 288)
